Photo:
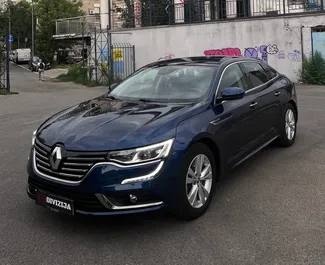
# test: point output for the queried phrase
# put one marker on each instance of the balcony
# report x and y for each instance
(77, 26)
(148, 13)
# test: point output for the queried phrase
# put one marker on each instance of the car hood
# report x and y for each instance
(104, 124)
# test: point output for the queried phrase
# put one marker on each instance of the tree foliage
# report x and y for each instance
(48, 11)
(20, 15)
(21, 24)
(313, 70)
(45, 14)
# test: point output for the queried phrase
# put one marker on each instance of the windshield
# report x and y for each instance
(177, 83)
(72, 53)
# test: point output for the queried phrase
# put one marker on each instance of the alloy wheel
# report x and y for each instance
(199, 181)
(290, 124)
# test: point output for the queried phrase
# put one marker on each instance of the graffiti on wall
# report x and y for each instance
(262, 52)
(224, 51)
(294, 56)
(257, 52)
(167, 57)
(282, 55)
(272, 49)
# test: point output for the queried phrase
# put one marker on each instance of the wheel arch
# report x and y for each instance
(295, 107)
(208, 140)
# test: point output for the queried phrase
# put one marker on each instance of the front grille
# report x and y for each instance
(73, 167)
(83, 202)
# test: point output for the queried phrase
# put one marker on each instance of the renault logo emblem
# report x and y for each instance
(56, 157)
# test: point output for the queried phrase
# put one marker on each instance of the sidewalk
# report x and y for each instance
(54, 73)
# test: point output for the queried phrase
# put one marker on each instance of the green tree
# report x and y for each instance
(20, 15)
(312, 71)
(48, 11)
(4, 18)
(21, 24)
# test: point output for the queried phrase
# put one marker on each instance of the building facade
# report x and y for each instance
(279, 32)
(91, 7)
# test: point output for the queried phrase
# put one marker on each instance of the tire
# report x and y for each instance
(182, 208)
(284, 139)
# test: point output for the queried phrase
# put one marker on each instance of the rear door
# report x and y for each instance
(265, 86)
(235, 119)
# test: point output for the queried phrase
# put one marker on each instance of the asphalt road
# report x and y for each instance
(269, 211)
(51, 73)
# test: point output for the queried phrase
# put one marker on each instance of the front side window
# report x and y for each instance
(255, 73)
(233, 77)
(176, 83)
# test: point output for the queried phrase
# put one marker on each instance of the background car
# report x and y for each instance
(161, 138)
(33, 63)
(22, 55)
(68, 56)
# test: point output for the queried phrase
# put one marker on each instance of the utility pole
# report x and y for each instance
(33, 51)
(8, 50)
(9, 29)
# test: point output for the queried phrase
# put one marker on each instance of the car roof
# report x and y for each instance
(201, 60)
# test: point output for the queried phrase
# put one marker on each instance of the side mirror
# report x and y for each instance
(232, 93)
(112, 86)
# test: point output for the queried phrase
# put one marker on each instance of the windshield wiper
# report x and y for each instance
(111, 97)
(144, 100)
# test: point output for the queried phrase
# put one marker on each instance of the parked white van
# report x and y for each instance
(22, 55)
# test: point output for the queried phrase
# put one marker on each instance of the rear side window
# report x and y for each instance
(269, 71)
(233, 77)
(255, 73)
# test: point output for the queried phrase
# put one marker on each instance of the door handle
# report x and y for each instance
(252, 105)
(277, 93)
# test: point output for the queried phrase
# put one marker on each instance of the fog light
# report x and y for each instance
(133, 198)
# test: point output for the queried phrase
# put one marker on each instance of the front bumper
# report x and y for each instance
(88, 205)
(101, 191)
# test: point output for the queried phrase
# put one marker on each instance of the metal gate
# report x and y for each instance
(4, 64)
(109, 62)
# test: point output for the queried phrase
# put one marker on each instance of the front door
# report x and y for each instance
(235, 119)
(264, 87)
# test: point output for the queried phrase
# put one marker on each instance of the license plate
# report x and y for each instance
(54, 202)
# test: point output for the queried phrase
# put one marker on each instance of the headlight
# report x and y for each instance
(34, 137)
(143, 154)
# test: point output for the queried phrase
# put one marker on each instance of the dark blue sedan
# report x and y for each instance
(161, 138)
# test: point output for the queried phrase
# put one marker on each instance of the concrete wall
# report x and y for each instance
(275, 40)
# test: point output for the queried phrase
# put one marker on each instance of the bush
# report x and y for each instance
(313, 70)
(80, 75)
(76, 74)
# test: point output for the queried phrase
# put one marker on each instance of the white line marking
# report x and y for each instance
(30, 122)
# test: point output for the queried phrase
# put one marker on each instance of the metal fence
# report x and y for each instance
(108, 62)
(147, 13)
(77, 25)
(4, 64)
(143, 13)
